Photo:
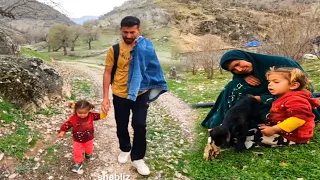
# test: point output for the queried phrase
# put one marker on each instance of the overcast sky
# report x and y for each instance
(79, 8)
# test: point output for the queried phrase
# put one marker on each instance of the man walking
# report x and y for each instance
(136, 78)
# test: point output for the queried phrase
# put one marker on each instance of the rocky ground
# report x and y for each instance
(170, 127)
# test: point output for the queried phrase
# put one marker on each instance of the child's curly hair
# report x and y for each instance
(292, 75)
(81, 104)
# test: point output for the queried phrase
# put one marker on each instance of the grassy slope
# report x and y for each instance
(19, 138)
(276, 163)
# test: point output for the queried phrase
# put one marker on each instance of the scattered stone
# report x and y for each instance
(37, 159)
(110, 170)
(50, 177)
(80, 171)
(69, 155)
(12, 176)
(178, 175)
(1, 156)
(36, 166)
(29, 140)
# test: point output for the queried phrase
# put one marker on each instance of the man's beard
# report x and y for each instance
(128, 40)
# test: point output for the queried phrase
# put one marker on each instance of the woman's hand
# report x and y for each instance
(251, 80)
(269, 130)
(258, 98)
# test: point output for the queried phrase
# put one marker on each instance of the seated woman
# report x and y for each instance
(248, 71)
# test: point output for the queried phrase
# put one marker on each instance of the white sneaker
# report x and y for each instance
(123, 157)
(141, 166)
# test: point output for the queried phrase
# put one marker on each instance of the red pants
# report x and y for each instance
(78, 150)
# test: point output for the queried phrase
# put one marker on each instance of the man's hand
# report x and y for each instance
(251, 80)
(269, 130)
(105, 105)
(61, 134)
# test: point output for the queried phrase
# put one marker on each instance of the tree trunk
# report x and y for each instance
(65, 51)
(89, 45)
(72, 48)
(210, 73)
(194, 70)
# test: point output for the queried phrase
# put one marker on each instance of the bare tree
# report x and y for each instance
(59, 36)
(16, 8)
(316, 46)
(293, 36)
(75, 32)
(210, 55)
(90, 32)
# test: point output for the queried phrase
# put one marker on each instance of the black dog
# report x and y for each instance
(237, 121)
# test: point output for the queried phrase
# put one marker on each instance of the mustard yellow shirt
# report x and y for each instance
(120, 82)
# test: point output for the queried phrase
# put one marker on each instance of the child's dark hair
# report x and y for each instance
(130, 21)
(81, 104)
(292, 75)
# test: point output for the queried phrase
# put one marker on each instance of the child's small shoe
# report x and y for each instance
(76, 167)
(89, 156)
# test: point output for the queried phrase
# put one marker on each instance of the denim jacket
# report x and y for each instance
(145, 72)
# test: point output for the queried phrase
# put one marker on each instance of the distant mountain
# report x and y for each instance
(32, 18)
(84, 19)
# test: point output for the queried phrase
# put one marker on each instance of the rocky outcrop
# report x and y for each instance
(28, 82)
(7, 46)
(146, 11)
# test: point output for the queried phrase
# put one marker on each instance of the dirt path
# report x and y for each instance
(169, 107)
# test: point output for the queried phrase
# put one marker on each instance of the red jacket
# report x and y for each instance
(297, 104)
(82, 129)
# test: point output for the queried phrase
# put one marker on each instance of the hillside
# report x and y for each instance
(227, 22)
(30, 17)
(147, 10)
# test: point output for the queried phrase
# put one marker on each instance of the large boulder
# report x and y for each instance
(28, 82)
(7, 46)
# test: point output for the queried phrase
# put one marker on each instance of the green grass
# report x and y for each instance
(297, 161)
(15, 143)
(49, 112)
(51, 153)
(26, 52)
(25, 166)
(197, 88)
(72, 97)
(82, 86)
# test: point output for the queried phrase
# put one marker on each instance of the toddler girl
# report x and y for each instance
(81, 123)
(291, 114)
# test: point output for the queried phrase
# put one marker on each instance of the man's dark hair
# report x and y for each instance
(130, 21)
